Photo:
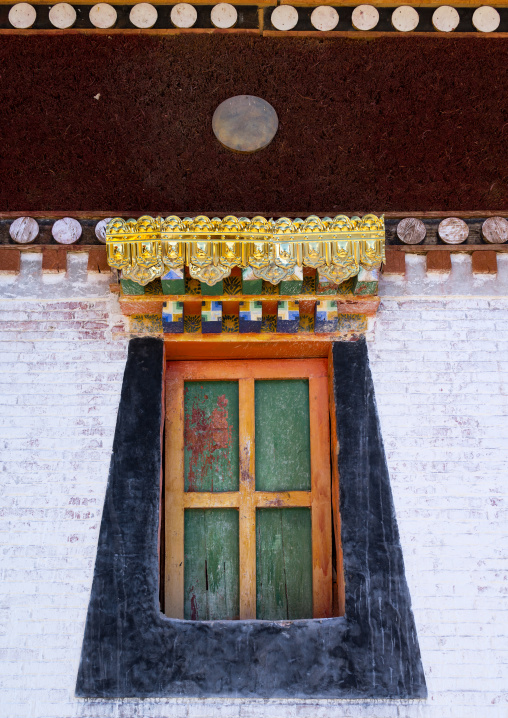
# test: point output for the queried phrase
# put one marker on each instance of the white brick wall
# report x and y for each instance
(440, 370)
(441, 374)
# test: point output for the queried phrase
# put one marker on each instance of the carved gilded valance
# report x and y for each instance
(149, 247)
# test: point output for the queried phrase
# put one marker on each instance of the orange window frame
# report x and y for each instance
(247, 499)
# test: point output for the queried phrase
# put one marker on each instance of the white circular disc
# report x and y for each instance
(445, 18)
(405, 18)
(66, 230)
(22, 16)
(453, 230)
(486, 19)
(365, 17)
(324, 18)
(411, 230)
(495, 230)
(143, 15)
(224, 15)
(62, 15)
(100, 229)
(183, 15)
(24, 230)
(284, 17)
(103, 15)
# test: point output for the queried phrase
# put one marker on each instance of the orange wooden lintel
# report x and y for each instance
(347, 303)
(247, 346)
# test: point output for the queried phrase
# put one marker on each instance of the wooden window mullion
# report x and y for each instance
(320, 501)
(247, 500)
(174, 505)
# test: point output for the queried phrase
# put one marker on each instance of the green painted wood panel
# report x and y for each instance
(282, 435)
(283, 564)
(211, 564)
(211, 436)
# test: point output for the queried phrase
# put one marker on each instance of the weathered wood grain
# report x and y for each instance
(339, 599)
(321, 497)
(495, 230)
(247, 504)
(211, 564)
(233, 369)
(411, 230)
(174, 511)
(282, 435)
(453, 230)
(24, 230)
(283, 564)
(66, 230)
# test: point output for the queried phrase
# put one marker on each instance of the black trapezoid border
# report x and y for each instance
(130, 649)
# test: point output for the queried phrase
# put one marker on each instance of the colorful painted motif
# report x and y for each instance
(145, 324)
(269, 324)
(306, 323)
(251, 316)
(192, 286)
(230, 324)
(326, 319)
(173, 282)
(192, 323)
(233, 285)
(288, 317)
(325, 286)
(269, 288)
(366, 281)
(309, 283)
(250, 283)
(356, 323)
(293, 284)
(172, 317)
(346, 287)
(211, 317)
(154, 288)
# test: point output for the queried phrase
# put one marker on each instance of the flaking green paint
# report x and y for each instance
(211, 564)
(283, 564)
(211, 436)
(282, 435)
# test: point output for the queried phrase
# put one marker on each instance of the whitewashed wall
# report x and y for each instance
(440, 366)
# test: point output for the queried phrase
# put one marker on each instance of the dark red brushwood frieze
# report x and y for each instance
(125, 122)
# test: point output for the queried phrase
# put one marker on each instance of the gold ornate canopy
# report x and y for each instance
(149, 247)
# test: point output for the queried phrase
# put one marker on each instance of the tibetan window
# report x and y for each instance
(248, 519)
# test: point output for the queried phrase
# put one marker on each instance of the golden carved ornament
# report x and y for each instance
(337, 247)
